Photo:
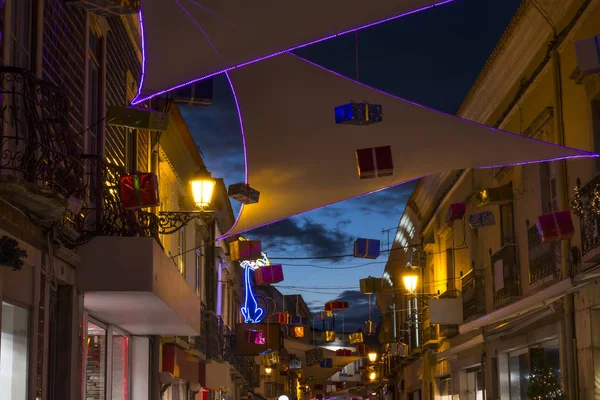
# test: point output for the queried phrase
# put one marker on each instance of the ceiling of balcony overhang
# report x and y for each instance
(300, 159)
(186, 40)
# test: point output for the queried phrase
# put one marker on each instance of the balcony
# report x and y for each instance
(40, 166)
(131, 282)
(589, 216)
(473, 294)
(429, 332)
(506, 275)
(448, 331)
(101, 211)
(544, 258)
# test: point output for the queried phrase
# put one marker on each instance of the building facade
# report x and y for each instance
(99, 300)
(497, 312)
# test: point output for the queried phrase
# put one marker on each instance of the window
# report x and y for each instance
(180, 250)
(445, 388)
(21, 33)
(474, 384)
(507, 224)
(107, 354)
(95, 368)
(14, 352)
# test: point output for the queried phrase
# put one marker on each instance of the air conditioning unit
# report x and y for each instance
(588, 54)
(199, 93)
(137, 118)
(107, 8)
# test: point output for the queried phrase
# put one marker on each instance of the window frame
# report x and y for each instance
(14, 37)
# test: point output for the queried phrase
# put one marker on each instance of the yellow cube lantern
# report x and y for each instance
(298, 331)
(356, 337)
(330, 336)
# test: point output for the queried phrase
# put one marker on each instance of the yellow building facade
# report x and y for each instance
(527, 306)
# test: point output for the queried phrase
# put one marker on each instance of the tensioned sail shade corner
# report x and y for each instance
(300, 159)
(187, 40)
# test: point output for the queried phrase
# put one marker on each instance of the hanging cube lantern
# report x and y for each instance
(295, 364)
(375, 162)
(327, 363)
(555, 226)
(298, 320)
(358, 113)
(139, 190)
(495, 196)
(314, 356)
(330, 336)
(268, 274)
(269, 358)
(323, 315)
(282, 318)
(318, 386)
(369, 328)
(356, 337)
(482, 220)
(298, 332)
(336, 305)
(243, 193)
(245, 250)
(456, 211)
(367, 248)
(370, 285)
(343, 353)
(255, 336)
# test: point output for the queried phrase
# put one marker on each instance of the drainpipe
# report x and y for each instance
(568, 328)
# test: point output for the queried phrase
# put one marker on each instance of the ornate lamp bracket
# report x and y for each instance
(172, 221)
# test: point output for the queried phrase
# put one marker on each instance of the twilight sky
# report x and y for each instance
(431, 58)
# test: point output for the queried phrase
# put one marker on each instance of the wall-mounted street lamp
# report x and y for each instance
(410, 279)
(202, 186)
(373, 376)
(268, 372)
(372, 356)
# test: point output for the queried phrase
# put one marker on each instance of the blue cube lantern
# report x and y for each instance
(366, 248)
(298, 320)
(326, 363)
(358, 113)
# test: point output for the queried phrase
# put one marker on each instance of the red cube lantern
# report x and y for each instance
(282, 318)
(375, 162)
(243, 193)
(555, 226)
(245, 250)
(268, 274)
(139, 190)
(456, 211)
(336, 305)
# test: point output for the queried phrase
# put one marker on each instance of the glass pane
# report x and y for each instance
(95, 368)
(14, 351)
(120, 367)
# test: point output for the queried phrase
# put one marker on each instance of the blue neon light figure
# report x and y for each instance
(251, 312)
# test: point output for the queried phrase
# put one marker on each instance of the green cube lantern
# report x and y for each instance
(370, 285)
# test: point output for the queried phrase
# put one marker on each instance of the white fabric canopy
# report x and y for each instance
(187, 40)
(300, 159)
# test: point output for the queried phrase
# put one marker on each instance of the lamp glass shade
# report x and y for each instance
(372, 376)
(202, 189)
(268, 370)
(410, 282)
(372, 356)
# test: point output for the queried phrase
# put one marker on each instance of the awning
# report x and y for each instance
(188, 40)
(300, 159)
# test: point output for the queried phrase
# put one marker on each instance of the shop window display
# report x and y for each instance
(14, 352)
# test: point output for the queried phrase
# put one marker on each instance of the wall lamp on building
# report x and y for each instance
(268, 372)
(373, 376)
(373, 356)
(410, 279)
(202, 186)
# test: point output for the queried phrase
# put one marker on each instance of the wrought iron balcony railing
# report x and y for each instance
(37, 144)
(586, 205)
(506, 274)
(102, 213)
(473, 294)
(429, 331)
(544, 258)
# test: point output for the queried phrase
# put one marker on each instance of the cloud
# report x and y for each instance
(301, 233)
(389, 202)
(353, 318)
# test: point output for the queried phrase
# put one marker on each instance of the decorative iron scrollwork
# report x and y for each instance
(37, 143)
(171, 222)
